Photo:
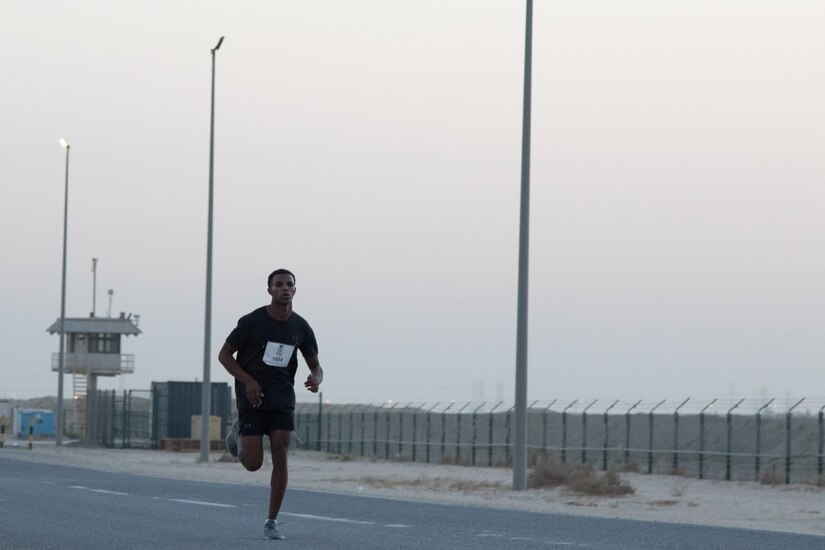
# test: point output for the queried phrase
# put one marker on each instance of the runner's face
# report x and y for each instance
(282, 289)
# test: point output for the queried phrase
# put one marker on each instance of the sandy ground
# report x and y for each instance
(796, 508)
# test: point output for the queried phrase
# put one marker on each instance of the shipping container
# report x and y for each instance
(174, 404)
(41, 421)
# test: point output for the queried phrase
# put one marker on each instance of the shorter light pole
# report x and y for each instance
(206, 393)
(61, 354)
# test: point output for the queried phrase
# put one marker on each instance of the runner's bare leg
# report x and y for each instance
(279, 442)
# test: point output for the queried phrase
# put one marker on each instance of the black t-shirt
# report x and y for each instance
(267, 350)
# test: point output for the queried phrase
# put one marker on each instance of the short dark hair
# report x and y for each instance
(279, 272)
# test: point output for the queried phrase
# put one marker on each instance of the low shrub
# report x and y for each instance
(771, 478)
(577, 478)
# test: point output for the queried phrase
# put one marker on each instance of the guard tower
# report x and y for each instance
(93, 349)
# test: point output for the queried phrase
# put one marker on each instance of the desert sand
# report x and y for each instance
(749, 505)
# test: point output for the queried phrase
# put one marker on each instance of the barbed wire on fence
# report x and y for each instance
(733, 439)
(721, 438)
(708, 406)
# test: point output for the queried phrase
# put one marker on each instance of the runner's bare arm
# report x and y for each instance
(317, 374)
(227, 358)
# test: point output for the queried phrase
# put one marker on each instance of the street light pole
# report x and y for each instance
(520, 436)
(61, 353)
(206, 393)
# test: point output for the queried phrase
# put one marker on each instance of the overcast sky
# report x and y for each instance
(373, 147)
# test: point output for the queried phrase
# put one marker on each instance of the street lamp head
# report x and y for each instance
(64, 143)
(216, 48)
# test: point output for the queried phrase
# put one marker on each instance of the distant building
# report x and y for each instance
(93, 348)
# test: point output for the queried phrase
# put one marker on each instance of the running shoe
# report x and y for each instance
(271, 530)
(232, 439)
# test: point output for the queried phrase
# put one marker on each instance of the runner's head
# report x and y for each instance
(279, 272)
(281, 286)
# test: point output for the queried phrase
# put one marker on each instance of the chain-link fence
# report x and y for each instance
(769, 441)
(123, 420)
(144, 418)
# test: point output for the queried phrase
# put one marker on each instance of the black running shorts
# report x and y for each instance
(263, 422)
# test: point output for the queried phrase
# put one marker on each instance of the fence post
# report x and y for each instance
(375, 430)
(584, 431)
(475, 433)
(320, 418)
(564, 432)
(458, 434)
(364, 427)
(676, 436)
(650, 437)
(702, 439)
(759, 439)
(401, 427)
(627, 430)
(124, 422)
(328, 441)
(300, 423)
(111, 423)
(544, 426)
(605, 442)
(351, 429)
(305, 421)
(339, 433)
(788, 442)
(428, 430)
(415, 430)
(102, 419)
(387, 424)
(444, 431)
(728, 421)
(490, 448)
(508, 428)
(527, 442)
(350, 421)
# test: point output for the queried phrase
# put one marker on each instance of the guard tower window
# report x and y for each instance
(104, 343)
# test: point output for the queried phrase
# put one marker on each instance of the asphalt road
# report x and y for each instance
(57, 507)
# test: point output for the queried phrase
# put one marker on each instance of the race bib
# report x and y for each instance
(277, 355)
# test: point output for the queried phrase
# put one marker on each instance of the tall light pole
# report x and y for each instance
(520, 438)
(206, 394)
(61, 353)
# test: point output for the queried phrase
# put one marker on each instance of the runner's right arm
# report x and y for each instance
(227, 358)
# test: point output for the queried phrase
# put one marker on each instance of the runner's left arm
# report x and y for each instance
(316, 375)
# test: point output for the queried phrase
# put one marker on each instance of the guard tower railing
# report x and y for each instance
(96, 363)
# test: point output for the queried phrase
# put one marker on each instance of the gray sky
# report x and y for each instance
(373, 147)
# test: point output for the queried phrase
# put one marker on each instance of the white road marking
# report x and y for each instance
(522, 539)
(202, 503)
(398, 525)
(97, 490)
(107, 492)
(325, 518)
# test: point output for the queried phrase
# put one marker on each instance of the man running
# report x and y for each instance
(266, 341)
